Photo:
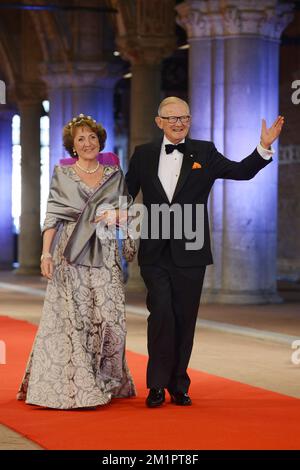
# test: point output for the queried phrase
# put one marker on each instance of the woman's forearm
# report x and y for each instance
(47, 239)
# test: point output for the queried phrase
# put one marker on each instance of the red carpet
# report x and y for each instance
(225, 414)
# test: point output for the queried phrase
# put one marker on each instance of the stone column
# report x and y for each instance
(89, 90)
(6, 224)
(145, 38)
(30, 240)
(143, 102)
(145, 96)
(206, 99)
(242, 40)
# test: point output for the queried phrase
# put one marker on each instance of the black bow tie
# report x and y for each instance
(170, 148)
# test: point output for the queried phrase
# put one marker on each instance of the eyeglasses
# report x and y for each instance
(174, 119)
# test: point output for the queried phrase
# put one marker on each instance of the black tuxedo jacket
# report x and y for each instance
(193, 187)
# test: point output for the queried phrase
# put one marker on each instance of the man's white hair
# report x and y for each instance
(171, 100)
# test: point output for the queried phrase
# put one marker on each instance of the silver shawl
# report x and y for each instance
(67, 201)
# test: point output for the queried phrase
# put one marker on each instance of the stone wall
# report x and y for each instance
(289, 168)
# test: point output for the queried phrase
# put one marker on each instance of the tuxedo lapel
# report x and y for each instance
(186, 167)
(153, 168)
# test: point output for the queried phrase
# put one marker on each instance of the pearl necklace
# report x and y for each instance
(88, 171)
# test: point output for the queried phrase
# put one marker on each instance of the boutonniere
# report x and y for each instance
(196, 166)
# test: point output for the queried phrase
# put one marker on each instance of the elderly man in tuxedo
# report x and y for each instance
(177, 170)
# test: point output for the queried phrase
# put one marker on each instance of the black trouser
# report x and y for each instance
(173, 301)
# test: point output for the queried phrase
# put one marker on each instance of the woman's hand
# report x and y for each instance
(112, 217)
(47, 267)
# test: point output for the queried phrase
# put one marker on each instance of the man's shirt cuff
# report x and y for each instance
(264, 153)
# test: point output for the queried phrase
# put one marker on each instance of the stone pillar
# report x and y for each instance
(145, 96)
(242, 44)
(6, 224)
(145, 38)
(144, 103)
(30, 240)
(206, 95)
(88, 90)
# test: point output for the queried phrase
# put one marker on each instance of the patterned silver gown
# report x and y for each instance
(78, 356)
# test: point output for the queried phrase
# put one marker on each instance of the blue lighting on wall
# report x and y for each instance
(16, 173)
(16, 169)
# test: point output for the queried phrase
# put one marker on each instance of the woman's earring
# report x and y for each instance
(74, 153)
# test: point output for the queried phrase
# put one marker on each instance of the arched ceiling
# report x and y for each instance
(32, 39)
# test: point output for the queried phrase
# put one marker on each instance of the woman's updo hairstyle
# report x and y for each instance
(78, 121)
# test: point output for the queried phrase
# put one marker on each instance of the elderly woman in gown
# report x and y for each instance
(78, 356)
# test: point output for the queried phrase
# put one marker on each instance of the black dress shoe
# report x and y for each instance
(180, 398)
(156, 397)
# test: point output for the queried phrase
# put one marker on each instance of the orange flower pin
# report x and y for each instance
(196, 165)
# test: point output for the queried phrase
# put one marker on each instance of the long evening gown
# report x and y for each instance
(78, 356)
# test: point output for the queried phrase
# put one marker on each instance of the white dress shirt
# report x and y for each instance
(169, 168)
(170, 165)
